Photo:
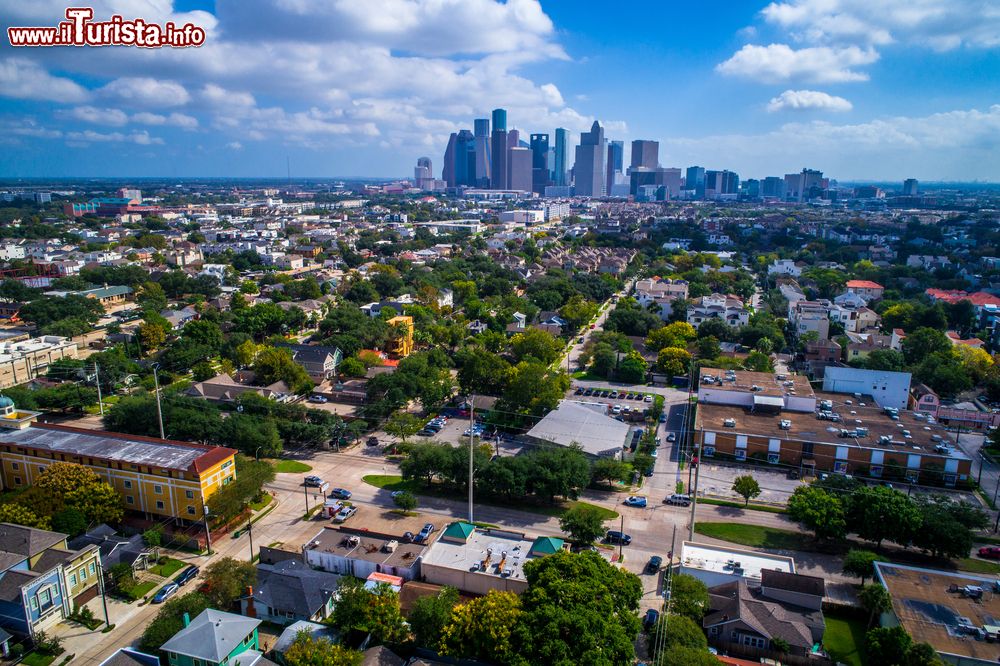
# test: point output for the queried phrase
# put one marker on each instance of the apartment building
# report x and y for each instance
(24, 360)
(729, 309)
(156, 477)
(779, 420)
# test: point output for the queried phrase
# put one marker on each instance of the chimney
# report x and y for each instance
(187, 619)
(251, 611)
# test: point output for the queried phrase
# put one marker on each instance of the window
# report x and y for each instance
(190, 510)
(128, 485)
(83, 573)
(158, 489)
(840, 467)
(129, 499)
(708, 451)
(773, 458)
(189, 494)
(15, 466)
(159, 504)
(92, 568)
(17, 480)
(34, 604)
(876, 471)
(754, 641)
(72, 580)
(741, 454)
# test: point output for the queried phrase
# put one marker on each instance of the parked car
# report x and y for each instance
(424, 534)
(651, 618)
(165, 593)
(663, 417)
(654, 564)
(345, 513)
(678, 499)
(636, 500)
(426, 433)
(671, 437)
(990, 552)
(648, 398)
(579, 391)
(317, 398)
(340, 493)
(408, 537)
(187, 575)
(372, 441)
(313, 481)
(614, 536)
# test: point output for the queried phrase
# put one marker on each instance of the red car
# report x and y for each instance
(990, 552)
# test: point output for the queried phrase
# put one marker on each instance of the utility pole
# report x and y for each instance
(694, 494)
(208, 532)
(305, 491)
(159, 409)
(97, 380)
(621, 540)
(250, 532)
(472, 439)
(104, 599)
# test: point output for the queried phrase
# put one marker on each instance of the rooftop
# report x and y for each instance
(766, 383)
(581, 423)
(362, 545)
(133, 449)
(487, 552)
(213, 635)
(925, 606)
(924, 434)
(719, 559)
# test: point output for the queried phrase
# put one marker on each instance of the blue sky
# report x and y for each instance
(861, 89)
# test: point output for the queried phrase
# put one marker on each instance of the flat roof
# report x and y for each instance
(806, 427)
(482, 546)
(367, 546)
(720, 559)
(586, 424)
(118, 447)
(927, 609)
(766, 383)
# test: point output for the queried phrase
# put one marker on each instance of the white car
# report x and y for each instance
(345, 513)
(317, 398)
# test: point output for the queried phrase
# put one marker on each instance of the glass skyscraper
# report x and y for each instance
(561, 154)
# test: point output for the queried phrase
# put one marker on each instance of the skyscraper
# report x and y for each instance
(561, 153)
(465, 159)
(423, 173)
(615, 163)
(773, 186)
(645, 154)
(519, 169)
(498, 150)
(589, 167)
(482, 133)
(910, 188)
(448, 168)
(540, 175)
(695, 180)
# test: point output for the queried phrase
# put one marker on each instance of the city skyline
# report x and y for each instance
(859, 90)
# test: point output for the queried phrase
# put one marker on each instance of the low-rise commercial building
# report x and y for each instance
(582, 424)
(360, 553)
(25, 360)
(718, 565)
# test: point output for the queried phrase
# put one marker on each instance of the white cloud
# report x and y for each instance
(141, 138)
(175, 119)
(940, 24)
(92, 114)
(957, 145)
(776, 63)
(25, 79)
(147, 92)
(234, 145)
(802, 100)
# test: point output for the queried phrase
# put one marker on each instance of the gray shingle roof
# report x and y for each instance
(769, 618)
(27, 541)
(292, 586)
(213, 635)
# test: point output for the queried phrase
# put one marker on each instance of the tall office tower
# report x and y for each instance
(561, 155)
(448, 168)
(805, 185)
(519, 169)
(465, 159)
(645, 154)
(482, 132)
(910, 187)
(730, 183)
(773, 186)
(614, 165)
(751, 188)
(423, 174)
(540, 174)
(513, 139)
(498, 151)
(589, 167)
(713, 184)
(695, 180)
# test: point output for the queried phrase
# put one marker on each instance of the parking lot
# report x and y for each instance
(717, 481)
(453, 432)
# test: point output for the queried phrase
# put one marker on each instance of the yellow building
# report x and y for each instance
(157, 477)
(400, 343)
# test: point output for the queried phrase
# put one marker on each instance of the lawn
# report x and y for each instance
(754, 536)
(38, 659)
(394, 482)
(739, 505)
(291, 467)
(265, 499)
(844, 639)
(975, 565)
(139, 591)
(167, 568)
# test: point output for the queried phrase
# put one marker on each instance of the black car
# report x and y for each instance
(372, 441)
(648, 622)
(188, 575)
(579, 391)
(654, 564)
(616, 537)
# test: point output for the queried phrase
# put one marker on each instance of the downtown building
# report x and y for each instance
(589, 167)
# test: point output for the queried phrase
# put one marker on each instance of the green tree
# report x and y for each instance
(18, 514)
(923, 342)
(430, 615)
(481, 371)
(861, 563)
(686, 656)
(676, 630)
(203, 371)
(877, 512)
(673, 361)
(533, 390)
(946, 530)
(406, 501)
(232, 499)
(875, 600)
(922, 654)
(69, 484)
(632, 369)
(709, 348)
(203, 332)
(151, 335)
(689, 597)
(536, 344)
(677, 334)
(610, 470)
(482, 629)
(403, 425)
(583, 523)
(170, 619)
(819, 511)
(227, 580)
(887, 645)
(578, 609)
(758, 361)
(249, 433)
(273, 364)
(352, 367)
(746, 487)
(374, 611)
(602, 359)
(151, 297)
(308, 651)
(69, 521)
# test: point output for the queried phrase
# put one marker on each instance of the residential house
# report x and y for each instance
(781, 615)
(400, 343)
(868, 290)
(806, 316)
(661, 291)
(292, 631)
(226, 388)
(215, 638)
(128, 657)
(819, 354)
(115, 549)
(178, 318)
(729, 309)
(927, 262)
(957, 340)
(319, 361)
(291, 591)
(786, 267)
